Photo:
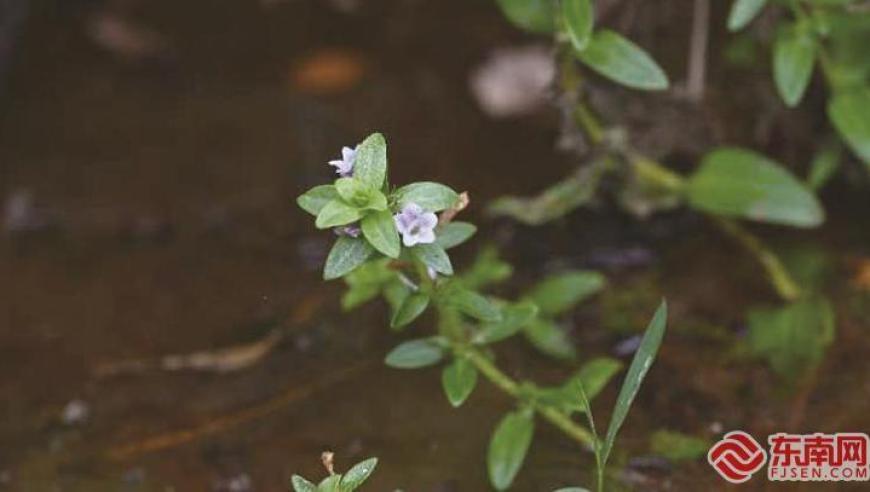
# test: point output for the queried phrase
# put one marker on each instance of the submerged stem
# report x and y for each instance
(658, 174)
(778, 275)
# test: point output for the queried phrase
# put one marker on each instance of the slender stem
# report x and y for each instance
(505, 383)
(779, 276)
(654, 172)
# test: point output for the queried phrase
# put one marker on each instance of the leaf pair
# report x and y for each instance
(347, 482)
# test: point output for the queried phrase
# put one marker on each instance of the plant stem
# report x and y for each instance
(656, 173)
(511, 387)
(778, 275)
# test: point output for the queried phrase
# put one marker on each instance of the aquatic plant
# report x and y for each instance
(336, 482)
(401, 255)
(730, 183)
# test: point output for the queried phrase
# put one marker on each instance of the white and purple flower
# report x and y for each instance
(344, 166)
(416, 225)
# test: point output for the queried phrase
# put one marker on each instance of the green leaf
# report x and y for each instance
(793, 338)
(583, 386)
(742, 183)
(336, 213)
(370, 165)
(514, 318)
(677, 446)
(622, 61)
(850, 114)
(379, 229)
(742, 13)
(358, 474)
(559, 293)
(302, 485)
(473, 304)
(508, 447)
(434, 257)
(432, 197)
(412, 307)
(360, 195)
(596, 373)
(458, 380)
(330, 484)
(551, 340)
(579, 18)
(824, 165)
(794, 54)
(415, 354)
(572, 489)
(453, 234)
(532, 15)
(487, 269)
(313, 200)
(643, 360)
(346, 255)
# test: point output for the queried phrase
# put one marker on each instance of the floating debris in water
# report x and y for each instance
(514, 81)
(20, 214)
(75, 412)
(627, 346)
(239, 483)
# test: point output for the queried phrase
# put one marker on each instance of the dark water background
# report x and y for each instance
(159, 200)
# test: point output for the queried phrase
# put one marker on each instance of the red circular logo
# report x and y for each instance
(737, 456)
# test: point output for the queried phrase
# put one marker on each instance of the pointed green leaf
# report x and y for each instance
(824, 165)
(473, 304)
(302, 485)
(432, 197)
(794, 54)
(742, 183)
(550, 339)
(596, 373)
(434, 257)
(313, 200)
(370, 165)
(514, 318)
(379, 229)
(346, 255)
(415, 354)
(458, 380)
(412, 307)
(336, 213)
(331, 483)
(453, 234)
(742, 12)
(579, 18)
(559, 293)
(850, 113)
(358, 474)
(640, 364)
(508, 448)
(622, 61)
(531, 15)
(487, 269)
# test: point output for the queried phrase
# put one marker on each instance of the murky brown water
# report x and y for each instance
(162, 203)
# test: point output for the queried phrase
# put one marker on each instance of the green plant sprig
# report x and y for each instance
(405, 260)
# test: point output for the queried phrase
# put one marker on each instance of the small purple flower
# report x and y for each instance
(344, 166)
(351, 230)
(415, 225)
